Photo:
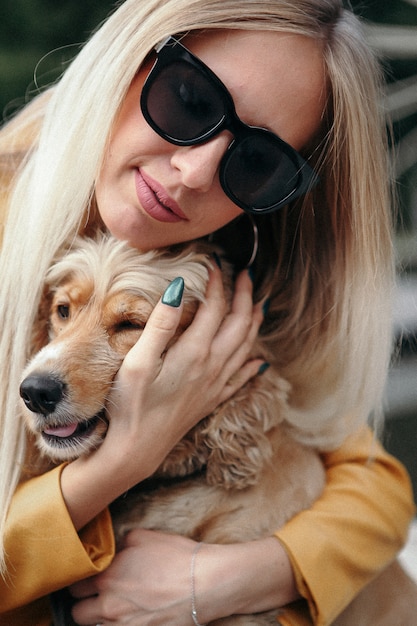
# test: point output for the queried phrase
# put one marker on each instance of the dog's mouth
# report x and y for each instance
(72, 434)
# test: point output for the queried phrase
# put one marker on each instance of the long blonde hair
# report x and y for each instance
(330, 255)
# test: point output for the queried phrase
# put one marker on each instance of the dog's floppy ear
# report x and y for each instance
(237, 433)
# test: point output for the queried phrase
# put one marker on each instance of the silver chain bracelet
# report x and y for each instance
(193, 606)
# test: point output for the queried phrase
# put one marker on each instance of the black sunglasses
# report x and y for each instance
(187, 104)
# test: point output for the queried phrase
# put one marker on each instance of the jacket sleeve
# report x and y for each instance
(44, 552)
(353, 531)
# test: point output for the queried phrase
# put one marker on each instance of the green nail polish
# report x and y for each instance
(263, 368)
(173, 293)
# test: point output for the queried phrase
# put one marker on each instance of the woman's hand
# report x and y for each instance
(150, 582)
(124, 593)
(160, 394)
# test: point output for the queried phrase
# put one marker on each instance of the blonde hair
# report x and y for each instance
(330, 255)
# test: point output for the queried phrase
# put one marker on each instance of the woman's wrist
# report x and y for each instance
(90, 484)
(241, 578)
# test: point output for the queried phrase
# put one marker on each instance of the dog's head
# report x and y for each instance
(101, 294)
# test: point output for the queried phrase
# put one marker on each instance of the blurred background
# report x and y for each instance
(38, 38)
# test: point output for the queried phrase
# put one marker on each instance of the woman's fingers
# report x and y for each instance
(213, 330)
(215, 347)
(234, 341)
(241, 325)
(211, 312)
(160, 328)
(245, 374)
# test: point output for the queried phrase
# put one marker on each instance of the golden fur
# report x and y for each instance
(238, 475)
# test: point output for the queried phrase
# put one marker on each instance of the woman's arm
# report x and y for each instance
(43, 549)
(355, 528)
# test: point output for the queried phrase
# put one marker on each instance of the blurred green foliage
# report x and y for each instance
(31, 29)
(385, 11)
(37, 38)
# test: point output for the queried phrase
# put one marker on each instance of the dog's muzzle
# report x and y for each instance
(63, 435)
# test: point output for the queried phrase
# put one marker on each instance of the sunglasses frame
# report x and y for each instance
(171, 50)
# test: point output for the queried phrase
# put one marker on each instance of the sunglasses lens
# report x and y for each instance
(257, 173)
(181, 103)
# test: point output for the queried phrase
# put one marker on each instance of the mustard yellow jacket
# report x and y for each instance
(351, 532)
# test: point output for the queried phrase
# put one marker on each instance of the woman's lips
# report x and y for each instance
(155, 200)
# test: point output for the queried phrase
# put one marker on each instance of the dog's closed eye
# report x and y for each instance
(128, 324)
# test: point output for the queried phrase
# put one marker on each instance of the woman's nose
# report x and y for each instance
(199, 164)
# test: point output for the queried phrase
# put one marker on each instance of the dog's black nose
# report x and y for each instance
(41, 394)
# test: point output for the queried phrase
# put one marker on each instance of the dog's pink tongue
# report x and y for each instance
(61, 431)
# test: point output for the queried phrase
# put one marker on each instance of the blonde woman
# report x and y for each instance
(166, 163)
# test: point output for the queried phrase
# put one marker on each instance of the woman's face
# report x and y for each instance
(277, 81)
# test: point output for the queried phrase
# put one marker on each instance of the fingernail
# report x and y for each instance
(263, 368)
(173, 293)
(217, 260)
